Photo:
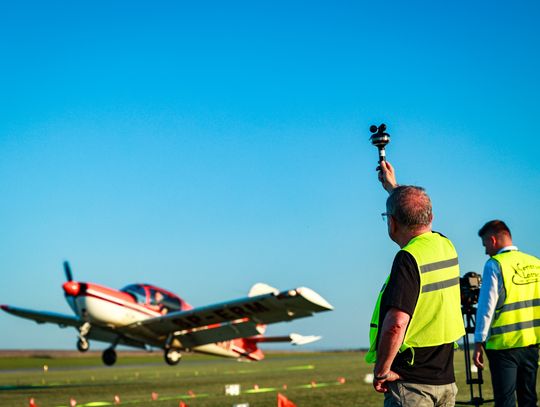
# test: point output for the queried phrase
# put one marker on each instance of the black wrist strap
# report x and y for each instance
(383, 377)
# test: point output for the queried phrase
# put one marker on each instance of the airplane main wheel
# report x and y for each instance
(82, 345)
(172, 356)
(109, 356)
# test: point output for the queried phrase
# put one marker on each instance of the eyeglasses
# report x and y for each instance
(385, 216)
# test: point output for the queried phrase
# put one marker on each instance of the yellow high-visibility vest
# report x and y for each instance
(437, 317)
(516, 322)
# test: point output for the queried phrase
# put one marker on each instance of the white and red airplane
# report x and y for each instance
(143, 315)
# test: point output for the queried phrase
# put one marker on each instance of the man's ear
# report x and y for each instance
(392, 224)
(493, 240)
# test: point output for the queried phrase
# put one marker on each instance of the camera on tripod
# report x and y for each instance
(470, 285)
(470, 290)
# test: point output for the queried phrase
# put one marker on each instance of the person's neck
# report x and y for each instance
(501, 246)
(502, 241)
(408, 235)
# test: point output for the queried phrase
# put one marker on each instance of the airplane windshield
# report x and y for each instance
(137, 291)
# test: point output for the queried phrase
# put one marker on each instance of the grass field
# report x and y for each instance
(311, 380)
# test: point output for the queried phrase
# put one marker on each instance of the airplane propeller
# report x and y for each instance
(67, 270)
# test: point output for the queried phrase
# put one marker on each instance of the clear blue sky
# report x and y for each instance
(209, 146)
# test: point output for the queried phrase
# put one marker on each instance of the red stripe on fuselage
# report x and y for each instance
(91, 292)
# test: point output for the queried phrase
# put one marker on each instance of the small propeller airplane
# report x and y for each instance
(143, 315)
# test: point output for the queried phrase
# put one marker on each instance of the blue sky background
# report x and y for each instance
(206, 147)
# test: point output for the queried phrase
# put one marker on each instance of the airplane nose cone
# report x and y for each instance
(72, 288)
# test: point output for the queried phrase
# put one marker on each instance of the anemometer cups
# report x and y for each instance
(380, 139)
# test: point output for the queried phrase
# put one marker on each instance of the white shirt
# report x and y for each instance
(492, 295)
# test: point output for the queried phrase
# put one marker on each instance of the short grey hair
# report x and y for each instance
(410, 206)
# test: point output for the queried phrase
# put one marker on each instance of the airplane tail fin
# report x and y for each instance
(247, 348)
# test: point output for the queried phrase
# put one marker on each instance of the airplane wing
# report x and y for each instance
(234, 319)
(98, 333)
(44, 316)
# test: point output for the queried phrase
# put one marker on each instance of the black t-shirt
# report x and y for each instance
(434, 364)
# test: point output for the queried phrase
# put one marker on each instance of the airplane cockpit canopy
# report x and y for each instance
(137, 291)
(150, 295)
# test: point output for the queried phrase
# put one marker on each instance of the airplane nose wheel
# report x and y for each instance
(172, 356)
(109, 356)
(82, 345)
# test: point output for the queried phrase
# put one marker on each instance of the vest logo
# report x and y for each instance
(527, 274)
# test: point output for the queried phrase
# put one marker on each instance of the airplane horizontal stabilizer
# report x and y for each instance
(294, 339)
(297, 339)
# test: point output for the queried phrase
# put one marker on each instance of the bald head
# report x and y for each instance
(410, 206)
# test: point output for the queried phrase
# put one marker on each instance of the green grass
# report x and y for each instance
(134, 378)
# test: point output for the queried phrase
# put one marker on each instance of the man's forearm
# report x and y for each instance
(392, 334)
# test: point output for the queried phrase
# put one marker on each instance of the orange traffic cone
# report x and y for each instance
(32, 403)
(154, 396)
(72, 402)
(283, 401)
(116, 399)
(182, 404)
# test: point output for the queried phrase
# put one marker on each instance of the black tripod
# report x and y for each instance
(469, 314)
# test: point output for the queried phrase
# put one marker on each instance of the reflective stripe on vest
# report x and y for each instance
(437, 317)
(516, 323)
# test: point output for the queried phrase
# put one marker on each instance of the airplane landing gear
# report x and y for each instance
(82, 345)
(172, 356)
(109, 356)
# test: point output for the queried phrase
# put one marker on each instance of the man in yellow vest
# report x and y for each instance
(508, 318)
(417, 318)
